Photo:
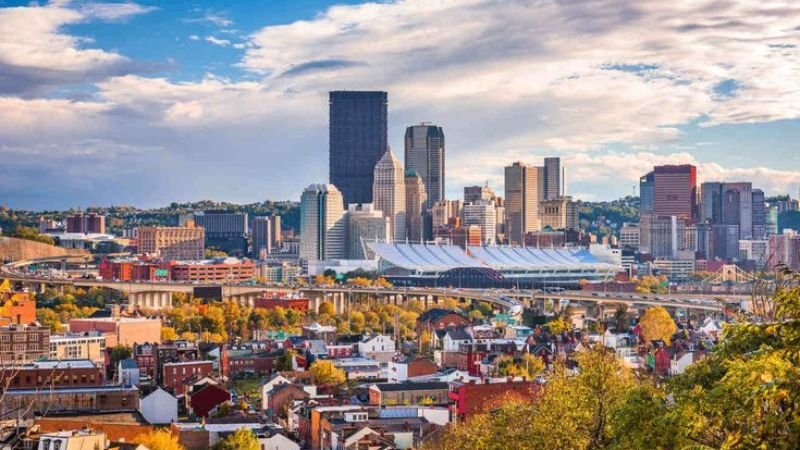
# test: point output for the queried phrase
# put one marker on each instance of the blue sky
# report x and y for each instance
(150, 102)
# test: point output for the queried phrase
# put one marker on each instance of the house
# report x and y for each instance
(374, 428)
(249, 362)
(660, 361)
(269, 386)
(475, 397)
(174, 374)
(425, 393)
(206, 399)
(439, 319)
(159, 407)
(276, 441)
(66, 440)
(378, 347)
(316, 331)
(406, 368)
(127, 372)
(453, 338)
(283, 395)
(359, 368)
(680, 361)
(202, 436)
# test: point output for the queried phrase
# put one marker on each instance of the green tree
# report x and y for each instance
(119, 353)
(621, 318)
(31, 234)
(241, 439)
(284, 362)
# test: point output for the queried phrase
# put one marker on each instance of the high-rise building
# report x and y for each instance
(225, 230)
(358, 139)
(474, 194)
(364, 223)
(759, 215)
(483, 215)
(86, 223)
(389, 193)
(322, 223)
(264, 235)
(646, 193)
(425, 155)
(772, 221)
(629, 236)
(675, 191)
(662, 236)
(554, 179)
(415, 206)
(754, 250)
(522, 191)
(559, 213)
(445, 211)
(172, 243)
(784, 250)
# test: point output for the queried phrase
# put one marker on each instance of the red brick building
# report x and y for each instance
(240, 362)
(24, 343)
(173, 374)
(474, 398)
(439, 319)
(47, 374)
(272, 300)
(205, 399)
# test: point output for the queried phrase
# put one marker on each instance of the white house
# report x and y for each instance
(277, 442)
(159, 407)
(378, 347)
(267, 387)
(679, 363)
(128, 372)
(453, 338)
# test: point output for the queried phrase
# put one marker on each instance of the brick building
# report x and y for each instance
(172, 243)
(439, 319)
(73, 400)
(24, 343)
(120, 330)
(175, 373)
(48, 373)
(474, 398)
(272, 300)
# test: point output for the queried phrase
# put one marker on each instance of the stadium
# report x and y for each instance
(442, 265)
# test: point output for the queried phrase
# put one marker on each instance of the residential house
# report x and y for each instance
(202, 401)
(379, 347)
(127, 372)
(159, 407)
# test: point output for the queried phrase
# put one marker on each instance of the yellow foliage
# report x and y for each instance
(323, 372)
(159, 440)
(656, 324)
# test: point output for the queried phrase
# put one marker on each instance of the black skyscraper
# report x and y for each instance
(358, 139)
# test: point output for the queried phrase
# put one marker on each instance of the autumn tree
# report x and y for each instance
(241, 439)
(48, 318)
(285, 361)
(323, 372)
(168, 334)
(159, 440)
(528, 366)
(656, 324)
(327, 308)
(559, 325)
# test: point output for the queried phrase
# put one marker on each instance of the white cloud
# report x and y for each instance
(217, 41)
(194, 37)
(113, 12)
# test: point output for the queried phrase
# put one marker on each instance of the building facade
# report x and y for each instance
(364, 223)
(522, 191)
(322, 223)
(389, 194)
(225, 231)
(425, 155)
(559, 213)
(358, 122)
(172, 243)
(416, 197)
(482, 214)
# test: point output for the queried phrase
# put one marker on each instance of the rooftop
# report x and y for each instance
(408, 386)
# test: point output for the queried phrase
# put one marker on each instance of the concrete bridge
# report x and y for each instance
(158, 295)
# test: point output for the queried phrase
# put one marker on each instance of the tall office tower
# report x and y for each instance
(86, 223)
(646, 193)
(389, 193)
(500, 222)
(322, 223)
(364, 224)
(415, 202)
(662, 236)
(783, 250)
(357, 138)
(554, 179)
(629, 236)
(711, 202)
(522, 192)
(759, 215)
(737, 207)
(225, 230)
(275, 225)
(559, 214)
(675, 191)
(425, 155)
(772, 220)
(475, 194)
(445, 211)
(482, 214)
(262, 237)
(172, 243)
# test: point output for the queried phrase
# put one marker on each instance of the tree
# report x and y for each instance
(475, 315)
(159, 440)
(241, 439)
(621, 318)
(357, 322)
(528, 366)
(656, 324)
(284, 362)
(323, 372)
(211, 253)
(119, 353)
(559, 325)
(48, 318)
(168, 334)
(327, 308)
(31, 234)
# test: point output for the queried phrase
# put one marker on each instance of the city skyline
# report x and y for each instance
(222, 93)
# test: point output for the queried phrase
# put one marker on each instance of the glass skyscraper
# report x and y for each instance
(358, 140)
(425, 156)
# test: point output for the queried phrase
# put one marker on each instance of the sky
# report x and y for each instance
(146, 103)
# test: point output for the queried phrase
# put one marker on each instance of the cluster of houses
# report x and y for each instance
(71, 390)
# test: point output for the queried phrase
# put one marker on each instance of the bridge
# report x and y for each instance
(158, 295)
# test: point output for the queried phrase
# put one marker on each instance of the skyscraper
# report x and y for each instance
(425, 155)
(225, 230)
(675, 191)
(554, 179)
(646, 191)
(262, 236)
(521, 201)
(389, 193)
(357, 139)
(474, 194)
(482, 214)
(415, 201)
(322, 224)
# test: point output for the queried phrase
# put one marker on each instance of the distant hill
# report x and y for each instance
(606, 218)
